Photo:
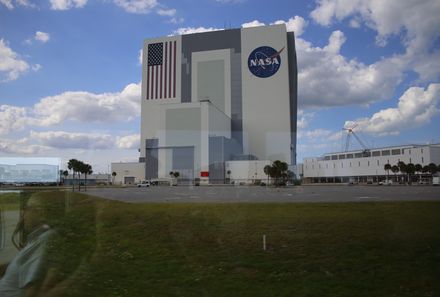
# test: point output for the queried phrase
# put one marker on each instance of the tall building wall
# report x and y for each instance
(227, 69)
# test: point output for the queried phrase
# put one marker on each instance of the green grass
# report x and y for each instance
(107, 248)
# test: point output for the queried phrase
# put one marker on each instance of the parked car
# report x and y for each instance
(144, 183)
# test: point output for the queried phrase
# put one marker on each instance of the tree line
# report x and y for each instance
(410, 169)
(78, 167)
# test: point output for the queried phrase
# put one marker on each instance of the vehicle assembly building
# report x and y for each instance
(212, 98)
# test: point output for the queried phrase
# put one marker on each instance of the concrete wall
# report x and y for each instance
(247, 171)
(339, 165)
(266, 101)
(132, 169)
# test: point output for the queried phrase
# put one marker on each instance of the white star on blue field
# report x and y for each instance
(70, 70)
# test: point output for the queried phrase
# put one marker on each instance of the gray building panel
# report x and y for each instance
(227, 39)
(293, 90)
(152, 158)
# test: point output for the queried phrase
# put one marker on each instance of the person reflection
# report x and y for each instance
(45, 225)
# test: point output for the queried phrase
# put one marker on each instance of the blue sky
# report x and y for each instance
(70, 70)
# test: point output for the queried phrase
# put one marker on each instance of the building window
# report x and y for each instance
(319, 166)
(334, 157)
(395, 152)
(410, 160)
(326, 166)
(409, 152)
(334, 165)
(341, 157)
(368, 163)
(349, 156)
(377, 162)
(327, 158)
(422, 160)
(376, 153)
(342, 165)
(421, 150)
(386, 153)
(359, 164)
(358, 155)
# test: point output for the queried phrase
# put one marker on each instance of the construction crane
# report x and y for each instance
(350, 133)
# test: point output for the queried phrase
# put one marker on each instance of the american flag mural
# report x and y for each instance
(161, 70)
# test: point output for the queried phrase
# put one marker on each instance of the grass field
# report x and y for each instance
(108, 248)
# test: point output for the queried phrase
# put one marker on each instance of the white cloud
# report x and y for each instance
(295, 24)
(8, 3)
(137, 6)
(36, 67)
(191, 30)
(89, 107)
(416, 22)
(254, 23)
(303, 119)
(416, 108)
(42, 36)
(140, 57)
(167, 12)
(128, 142)
(12, 118)
(11, 65)
(68, 140)
(326, 78)
(19, 147)
(67, 4)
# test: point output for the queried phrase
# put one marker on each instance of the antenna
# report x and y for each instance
(350, 134)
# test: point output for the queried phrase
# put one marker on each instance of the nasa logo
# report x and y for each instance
(264, 61)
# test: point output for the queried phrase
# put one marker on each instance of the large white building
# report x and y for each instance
(217, 97)
(368, 165)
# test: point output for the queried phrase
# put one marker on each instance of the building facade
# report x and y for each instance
(213, 97)
(364, 166)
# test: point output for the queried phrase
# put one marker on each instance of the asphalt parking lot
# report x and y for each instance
(231, 194)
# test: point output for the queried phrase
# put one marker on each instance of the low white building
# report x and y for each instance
(363, 166)
(128, 173)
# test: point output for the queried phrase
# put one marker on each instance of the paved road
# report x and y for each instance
(232, 194)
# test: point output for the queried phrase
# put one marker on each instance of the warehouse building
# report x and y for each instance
(216, 97)
(367, 165)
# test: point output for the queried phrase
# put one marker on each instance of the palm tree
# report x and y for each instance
(113, 176)
(176, 174)
(72, 165)
(87, 169)
(418, 168)
(395, 169)
(387, 168)
(65, 174)
(402, 167)
(410, 170)
(267, 170)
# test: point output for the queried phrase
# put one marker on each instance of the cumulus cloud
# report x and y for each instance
(254, 23)
(416, 22)
(167, 12)
(191, 30)
(11, 65)
(12, 118)
(9, 3)
(128, 142)
(326, 78)
(416, 107)
(69, 140)
(295, 24)
(89, 107)
(137, 6)
(42, 36)
(20, 146)
(67, 4)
